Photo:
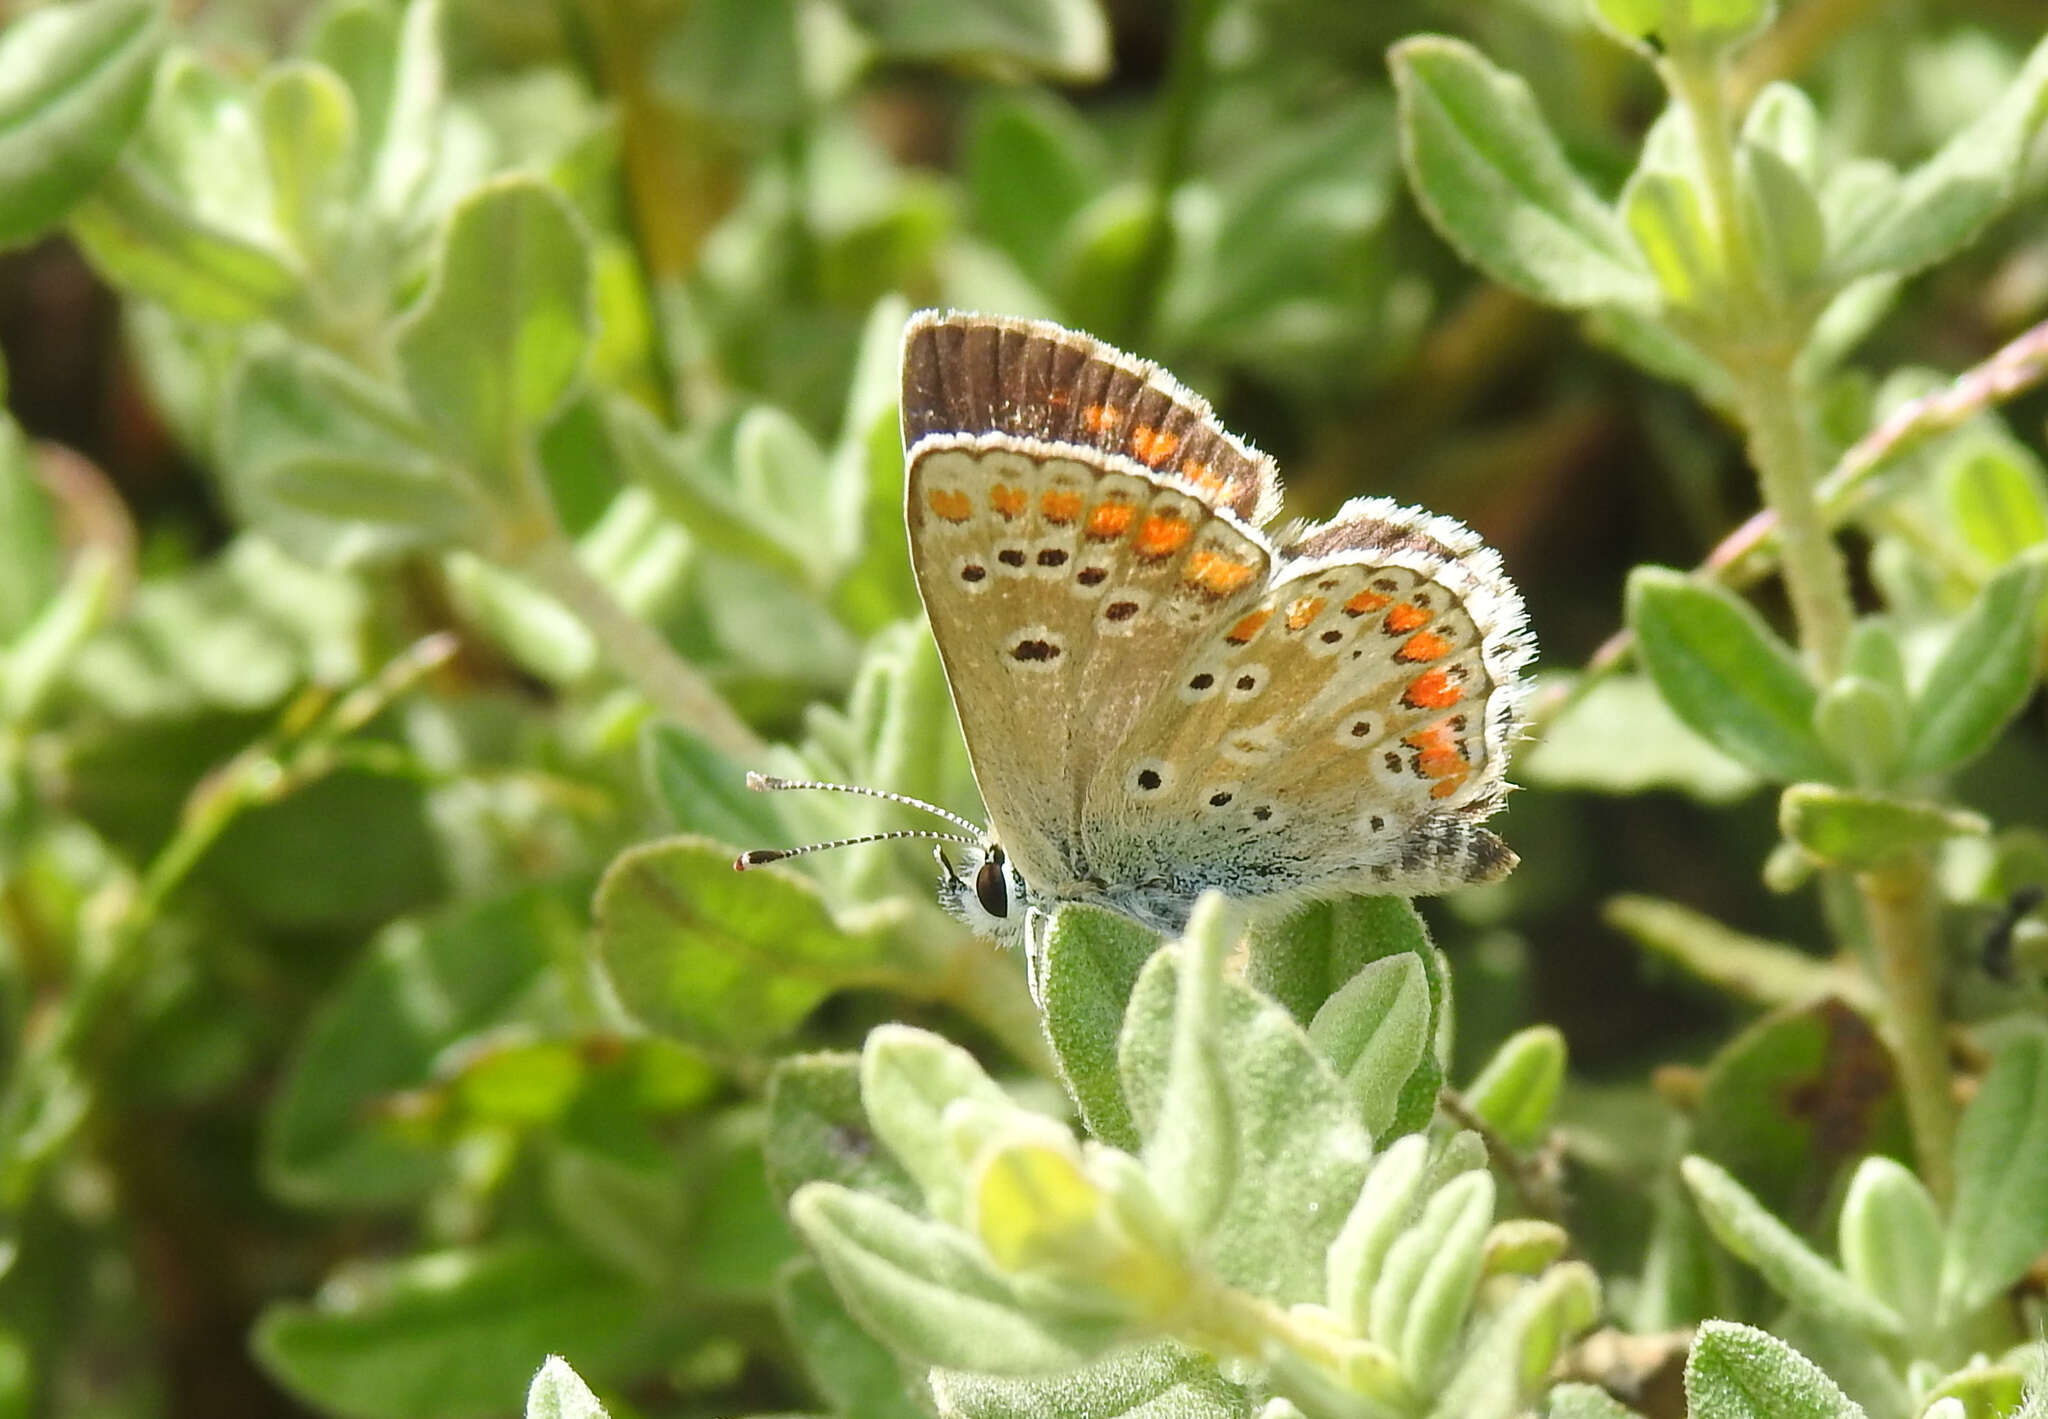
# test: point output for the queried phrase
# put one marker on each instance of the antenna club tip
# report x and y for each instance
(759, 857)
(761, 783)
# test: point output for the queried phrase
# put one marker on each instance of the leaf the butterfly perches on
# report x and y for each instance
(1158, 698)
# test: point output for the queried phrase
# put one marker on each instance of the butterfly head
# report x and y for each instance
(984, 892)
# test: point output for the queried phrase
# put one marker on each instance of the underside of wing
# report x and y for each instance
(1347, 731)
(983, 374)
(1065, 589)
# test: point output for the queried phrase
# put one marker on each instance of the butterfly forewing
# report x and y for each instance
(1064, 596)
(974, 374)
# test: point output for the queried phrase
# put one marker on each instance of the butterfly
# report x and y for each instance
(1159, 697)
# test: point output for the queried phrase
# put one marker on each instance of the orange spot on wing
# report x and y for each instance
(1405, 618)
(1060, 506)
(1215, 573)
(1097, 417)
(1437, 757)
(1161, 535)
(1153, 446)
(1250, 626)
(1007, 500)
(1433, 689)
(951, 504)
(1304, 610)
(1109, 521)
(1057, 398)
(1367, 600)
(1423, 646)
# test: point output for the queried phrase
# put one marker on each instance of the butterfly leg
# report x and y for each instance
(1037, 935)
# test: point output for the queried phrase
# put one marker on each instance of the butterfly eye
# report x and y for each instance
(989, 887)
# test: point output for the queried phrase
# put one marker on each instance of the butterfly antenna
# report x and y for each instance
(762, 856)
(765, 783)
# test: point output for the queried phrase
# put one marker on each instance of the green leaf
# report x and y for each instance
(1517, 1091)
(1582, 1401)
(1744, 967)
(1299, 1153)
(1092, 960)
(1715, 23)
(1062, 39)
(308, 121)
(420, 988)
(705, 792)
(1374, 1031)
(498, 341)
(1891, 1240)
(357, 40)
(1981, 1391)
(853, 1371)
(908, 1080)
(1864, 725)
(34, 667)
(1031, 164)
(1796, 1096)
(1863, 830)
(534, 630)
(1430, 1276)
(1667, 216)
(1386, 1206)
(331, 461)
(1158, 1381)
(1999, 1225)
(1942, 204)
(1304, 958)
(924, 1290)
(558, 1392)
(692, 481)
(1620, 737)
(1984, 675)
(450, 1335)
(1997, 497)
(725, 960)
(1794, 1270)
(1494, 181)
(1785, 226)
(1191, 1145)
(818, 1132)
(74, 85)
(1783, 119)
(1722, 671)
(1507, 1362)
(736, 62)
(148, 242)
(1735, 1372)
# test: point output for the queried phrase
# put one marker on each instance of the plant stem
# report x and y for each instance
(633, 647)
(1900, 908)
(1812, 565)
(1759, 340)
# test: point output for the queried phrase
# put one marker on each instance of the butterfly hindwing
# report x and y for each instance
(1345, 731)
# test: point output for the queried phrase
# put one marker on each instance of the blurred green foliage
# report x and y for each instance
(452, 441)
